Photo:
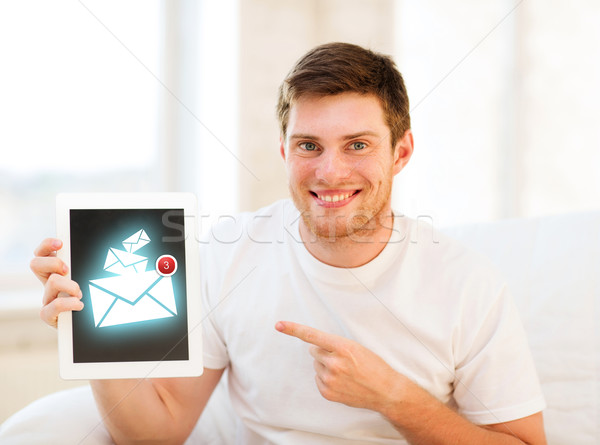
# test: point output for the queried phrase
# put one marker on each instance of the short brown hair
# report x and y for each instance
(335, 68)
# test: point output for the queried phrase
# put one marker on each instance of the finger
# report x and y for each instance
(48, 247)
(319, 354)
(324, 389)
(49, 313)
(327, 364)
(308, 334)
(43, 267)
(319, 367)
(57, 284)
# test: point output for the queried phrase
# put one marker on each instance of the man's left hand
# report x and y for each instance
(346, 371)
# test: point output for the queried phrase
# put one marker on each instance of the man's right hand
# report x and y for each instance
(60, 293)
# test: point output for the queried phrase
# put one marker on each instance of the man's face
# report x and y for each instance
(340, 163)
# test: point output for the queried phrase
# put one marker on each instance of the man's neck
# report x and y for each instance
(347, 251)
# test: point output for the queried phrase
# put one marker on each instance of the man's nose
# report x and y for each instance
(333, 166)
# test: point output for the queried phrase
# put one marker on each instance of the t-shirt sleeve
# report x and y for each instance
(495, 377)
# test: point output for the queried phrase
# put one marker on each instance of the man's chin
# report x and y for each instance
(328, 233)
(337, 229)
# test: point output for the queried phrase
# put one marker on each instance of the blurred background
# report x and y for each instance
(173, 95)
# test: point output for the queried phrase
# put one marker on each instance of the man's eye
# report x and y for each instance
(308, 146)
(358, 145)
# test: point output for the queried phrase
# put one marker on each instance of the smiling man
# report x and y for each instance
(381, 335)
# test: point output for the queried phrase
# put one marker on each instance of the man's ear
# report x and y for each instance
(403, 151)
(282, 147)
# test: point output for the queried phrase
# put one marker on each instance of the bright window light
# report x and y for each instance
(80, 111)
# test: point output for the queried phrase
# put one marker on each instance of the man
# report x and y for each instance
(408, 339)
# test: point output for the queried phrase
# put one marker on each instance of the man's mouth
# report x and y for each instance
(334, 198)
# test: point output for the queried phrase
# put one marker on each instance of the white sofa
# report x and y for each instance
(552, 265)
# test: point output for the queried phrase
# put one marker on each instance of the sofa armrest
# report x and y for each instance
(68, 416)
(71, 416)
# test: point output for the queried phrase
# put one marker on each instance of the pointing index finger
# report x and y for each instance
(308, 334)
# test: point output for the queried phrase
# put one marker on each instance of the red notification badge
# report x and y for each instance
(166, 265)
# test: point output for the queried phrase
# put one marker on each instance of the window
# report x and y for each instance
(110, 96)
(79, 113)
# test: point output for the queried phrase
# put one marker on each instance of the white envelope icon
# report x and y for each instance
(128, 299)
(136, 241)
(124, 263)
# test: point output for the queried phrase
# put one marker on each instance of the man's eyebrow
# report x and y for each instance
(346, 137)
(361, 134)
(304, 136)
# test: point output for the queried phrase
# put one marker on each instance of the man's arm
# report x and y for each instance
(423, 419)
(374, 385)
(134, 411)
(153, 410)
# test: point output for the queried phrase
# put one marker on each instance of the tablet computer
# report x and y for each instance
(136, 260)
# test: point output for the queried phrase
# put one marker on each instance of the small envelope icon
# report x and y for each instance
(136, 241)
(132, 298)
(124, 263)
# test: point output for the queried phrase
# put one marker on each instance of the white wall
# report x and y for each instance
(504, 108)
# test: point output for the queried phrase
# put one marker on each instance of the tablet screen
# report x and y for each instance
(130, 265)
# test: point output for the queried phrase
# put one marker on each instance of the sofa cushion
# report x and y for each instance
(71, 416)
(552, 266)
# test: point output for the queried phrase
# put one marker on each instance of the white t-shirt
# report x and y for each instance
(433, 310)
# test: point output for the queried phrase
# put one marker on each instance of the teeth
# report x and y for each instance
(334, 198)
